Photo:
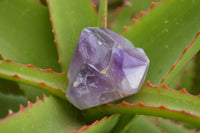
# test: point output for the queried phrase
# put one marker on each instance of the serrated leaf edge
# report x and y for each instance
(94, 6)
(32, 66)
(54, 33)
(183, 90)
(162, 107)
(84, 128)
(191, 118)
(162, 130)
(56, 91)
(142, 13)
(183, 53)
(22, 108)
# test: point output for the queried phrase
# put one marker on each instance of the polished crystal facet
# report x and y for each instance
(105, 67)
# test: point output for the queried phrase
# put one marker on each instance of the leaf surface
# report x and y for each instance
(164, 33)
(123, 124)
(129, 9)
(155, 101)
(26, 34)
(26, 37)
(69, 17)
(30, 75)
(51, 115)
(105, 125)
(169, 126)
(142, 125)
(186, 56)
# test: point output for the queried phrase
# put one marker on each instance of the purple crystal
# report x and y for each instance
(105, 67)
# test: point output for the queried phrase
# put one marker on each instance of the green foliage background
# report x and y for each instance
(37, 42)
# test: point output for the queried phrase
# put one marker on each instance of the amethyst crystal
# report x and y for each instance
(105, 67)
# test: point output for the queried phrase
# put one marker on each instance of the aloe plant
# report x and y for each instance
(37, 42)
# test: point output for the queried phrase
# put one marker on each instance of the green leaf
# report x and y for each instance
(69, 17)
(123, 124)
(186, 80)
(183, 77)
(127, 11)
(103, 126)
(25, 35)
(142, 125)
(169, 126)
(186, 56)
(155, 101)
(102, 19)
(164, 33)
(32, 93)
(9, 87)
(30, 75)
(51, 115)
(10, 103)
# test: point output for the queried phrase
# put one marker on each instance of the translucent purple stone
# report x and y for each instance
(105, 67)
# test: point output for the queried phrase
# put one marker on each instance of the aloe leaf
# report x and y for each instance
(102, 18)
(123, 124)
(48, 80)
(156, 101)
(69, 17)
(138, 124)
(186, 56)
(29, 39)
(9, 87)
(164, 33)
(129, 9)
(32, 93)
(186, 80)
(183, 78)
(105, 125)
(169, 126)
(10, 103)
(48, 115)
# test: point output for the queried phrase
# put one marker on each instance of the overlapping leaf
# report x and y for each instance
(49, 115)
(164, 33)
(26, 34)
(69, 17)
(129, 9)
(156, 101)
(138, 123)
(27, 74)
(26, 37)
(169, 126)
(105, 125)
